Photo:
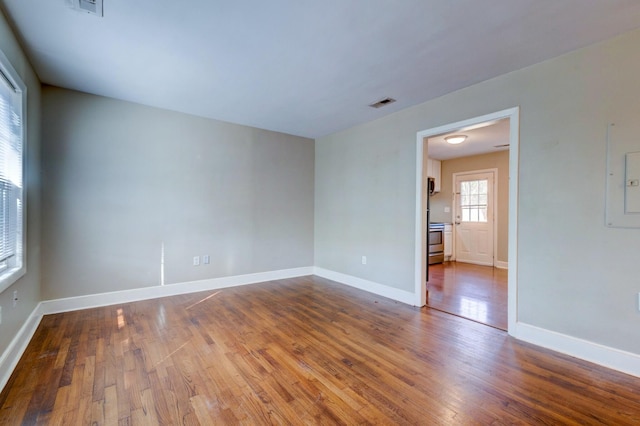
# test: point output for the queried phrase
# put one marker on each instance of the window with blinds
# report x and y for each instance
(12, 192)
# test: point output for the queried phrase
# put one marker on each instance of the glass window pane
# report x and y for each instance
(483, 214)
(483, 185)
(473, 200)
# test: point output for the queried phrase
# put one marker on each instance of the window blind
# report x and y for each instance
(11, 177)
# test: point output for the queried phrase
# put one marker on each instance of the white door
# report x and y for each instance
(474, 218)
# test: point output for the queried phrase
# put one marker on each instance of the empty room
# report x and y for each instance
(365, 212)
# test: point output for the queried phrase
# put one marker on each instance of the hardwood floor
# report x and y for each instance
(478, 293)
(299, 351)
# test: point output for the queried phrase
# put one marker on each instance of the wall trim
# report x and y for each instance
(501, 264)
(154, 292)
(369, 286)
(605, 356)
(10, 357)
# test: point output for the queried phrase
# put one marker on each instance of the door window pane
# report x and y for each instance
(473, 200)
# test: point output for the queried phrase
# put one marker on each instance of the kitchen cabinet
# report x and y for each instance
(448, 241)
(434, 171)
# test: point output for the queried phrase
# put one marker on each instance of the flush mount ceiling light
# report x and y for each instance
(455, 139)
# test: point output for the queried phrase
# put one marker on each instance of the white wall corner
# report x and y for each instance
(10, 357)
(369, 286)
(605, 356)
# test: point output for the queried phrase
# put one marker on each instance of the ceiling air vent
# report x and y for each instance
(93, 7)
(383, 102)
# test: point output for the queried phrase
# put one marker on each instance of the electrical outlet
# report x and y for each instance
(447, 209)
(206, 259)
(196, 260)
(15, 298)
(364, 260)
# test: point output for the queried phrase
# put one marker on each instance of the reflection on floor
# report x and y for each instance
(470, 291)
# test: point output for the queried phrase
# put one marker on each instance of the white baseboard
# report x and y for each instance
(501, 264)
(606, 356)
(369, 286)
(10, 357)
(144, 293)
(625, 362)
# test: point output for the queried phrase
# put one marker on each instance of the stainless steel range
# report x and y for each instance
(436, 243)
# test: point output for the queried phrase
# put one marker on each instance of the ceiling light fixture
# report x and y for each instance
(455, 139)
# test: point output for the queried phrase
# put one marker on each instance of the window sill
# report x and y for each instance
(10, 276)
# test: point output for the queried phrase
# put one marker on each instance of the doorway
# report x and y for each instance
(475, 208)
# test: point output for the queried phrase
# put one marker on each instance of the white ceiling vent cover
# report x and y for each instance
(93, 7)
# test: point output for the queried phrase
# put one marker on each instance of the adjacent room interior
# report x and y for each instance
(216, 212)
(469, 222)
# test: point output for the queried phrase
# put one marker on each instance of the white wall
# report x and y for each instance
(575, 276)
(122, 179)
(364, 184)
(28, 286)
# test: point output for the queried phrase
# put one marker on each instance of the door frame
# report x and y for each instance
(420, 290)
(494, 202)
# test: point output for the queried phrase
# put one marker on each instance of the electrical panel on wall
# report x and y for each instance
(623, 177)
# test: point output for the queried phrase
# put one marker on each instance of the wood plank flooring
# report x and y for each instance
(299, 351)
(476, 292)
